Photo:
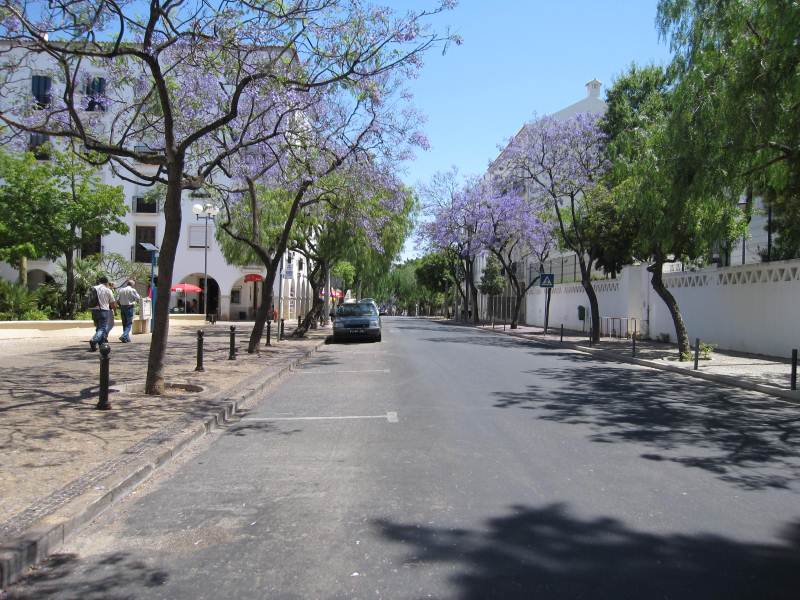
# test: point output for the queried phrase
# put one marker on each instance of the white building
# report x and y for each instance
(564, 265)
(229, 295)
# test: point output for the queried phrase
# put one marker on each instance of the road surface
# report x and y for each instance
(446, 462)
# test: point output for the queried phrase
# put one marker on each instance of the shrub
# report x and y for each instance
(15, 300)
(50, 299)
(84, 315)
(34, 314)
(706, 350)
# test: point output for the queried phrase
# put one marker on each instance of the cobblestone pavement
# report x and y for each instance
(54, 444)
(763, 370)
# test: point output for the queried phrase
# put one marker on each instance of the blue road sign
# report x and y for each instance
(546, 280)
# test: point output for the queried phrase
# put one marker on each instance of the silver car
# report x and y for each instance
(359, 320)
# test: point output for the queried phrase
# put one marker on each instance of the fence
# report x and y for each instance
(750, 308)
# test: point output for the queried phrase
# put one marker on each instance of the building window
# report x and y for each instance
(40, 87)
(147, 235)
(144, 205)
(236, 296)
(40, 146)
(91, 246)
(95, 93)
(300, 265)
(197, 236)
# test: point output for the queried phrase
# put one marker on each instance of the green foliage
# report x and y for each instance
(492, 281)
(706, 349)
(29, 199)
(735, 69)
(433, 273)
(15, 301)
(667, 210)
(34, 314)
(50, 299)
(345, 273)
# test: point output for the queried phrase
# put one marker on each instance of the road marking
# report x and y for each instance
(391, 417)
(323, 372)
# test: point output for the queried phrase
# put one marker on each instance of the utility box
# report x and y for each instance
(581, 313)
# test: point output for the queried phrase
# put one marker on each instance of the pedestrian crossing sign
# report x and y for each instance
(546, 280)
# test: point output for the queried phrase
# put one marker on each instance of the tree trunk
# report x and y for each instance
(316, 280)
(266, 306)
(657, 280)
(517, 309)
(473, 290)
(166, 262)
(594, 308)
(69, 267)
(22, 267)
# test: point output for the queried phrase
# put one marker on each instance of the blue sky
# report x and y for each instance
(520, 59)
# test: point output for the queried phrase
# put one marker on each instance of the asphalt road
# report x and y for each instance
(450, 463)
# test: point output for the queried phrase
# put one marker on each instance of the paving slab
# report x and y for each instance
(56, 449)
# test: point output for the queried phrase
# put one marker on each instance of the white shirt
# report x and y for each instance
(104, 296)
(128, 295)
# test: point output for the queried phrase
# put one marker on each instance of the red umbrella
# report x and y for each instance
(186, 288)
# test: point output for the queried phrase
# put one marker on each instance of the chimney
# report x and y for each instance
(593, 88)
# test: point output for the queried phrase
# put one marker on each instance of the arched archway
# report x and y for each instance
(195, 302)
(245, 297)
(37, 277)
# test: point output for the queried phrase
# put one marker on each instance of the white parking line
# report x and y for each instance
(322, 371)
(391, 417)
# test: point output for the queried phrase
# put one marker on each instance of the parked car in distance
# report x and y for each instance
(358, 320)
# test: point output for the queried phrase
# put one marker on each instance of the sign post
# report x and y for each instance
(546, 281)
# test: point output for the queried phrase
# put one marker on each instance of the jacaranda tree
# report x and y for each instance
(158, 89)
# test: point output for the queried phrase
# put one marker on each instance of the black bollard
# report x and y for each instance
(562, 333)
(299, 321)
(633, 344)
(269, 333)
(282, 334)
(102, 403)
(794, 369)
(199, 366)
(696, 352)
(232, 349)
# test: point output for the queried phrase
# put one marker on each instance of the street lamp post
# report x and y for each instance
(206, 211)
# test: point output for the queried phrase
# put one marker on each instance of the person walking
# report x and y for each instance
(127, 296)
(102, 306)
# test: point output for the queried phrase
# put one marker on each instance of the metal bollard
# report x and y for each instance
(633, 344)
(696, 352)
(281, 335)
(794, 369)
(102, 403)
(232, 349)
(299, 322)
(561, 339)
(199, 366)
(269, 333)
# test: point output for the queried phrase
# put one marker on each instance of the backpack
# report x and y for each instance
(91, 299)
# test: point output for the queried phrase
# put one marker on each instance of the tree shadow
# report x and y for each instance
(549, 553)
(741, 437)
(115, 576)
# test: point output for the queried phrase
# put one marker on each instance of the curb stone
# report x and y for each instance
(785, 395)
(50, 531)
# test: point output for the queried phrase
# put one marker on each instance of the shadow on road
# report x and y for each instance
(549, 553)
(742, 438)
(114, 576)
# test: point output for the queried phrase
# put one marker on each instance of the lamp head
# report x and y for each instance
(197, 209)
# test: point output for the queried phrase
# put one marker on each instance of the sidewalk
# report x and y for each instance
(767, 374)
(58, 454)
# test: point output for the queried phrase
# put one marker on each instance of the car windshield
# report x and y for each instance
(356, 310)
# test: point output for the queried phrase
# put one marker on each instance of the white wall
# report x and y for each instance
(750, 308)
